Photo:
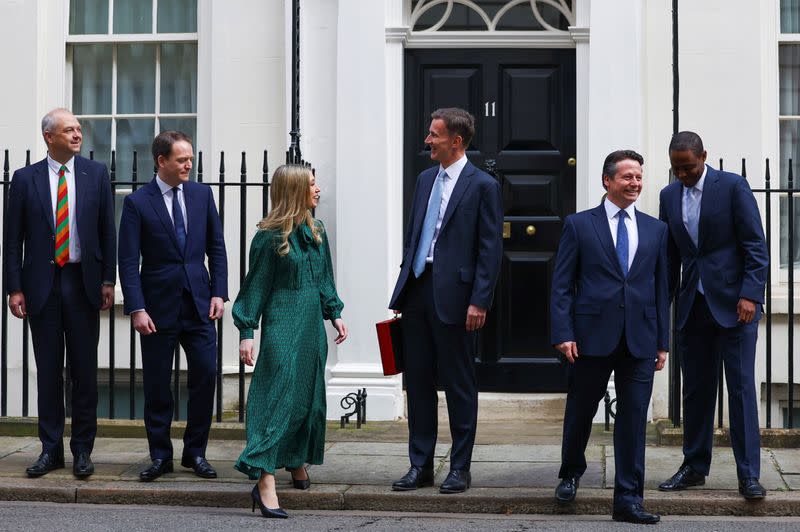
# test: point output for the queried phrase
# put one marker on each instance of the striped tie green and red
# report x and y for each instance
(62, 219)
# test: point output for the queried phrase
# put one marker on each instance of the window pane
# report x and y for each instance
(91, 79)
(790, 16)
(97, 138)
(184, 125)
(790, 149)
(133, 16)
(178, 78)
(789, 67)
(135, 134)
(88, 17)
(136, 78)
(177, 16)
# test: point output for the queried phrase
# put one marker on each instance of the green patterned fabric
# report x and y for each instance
(290, 296)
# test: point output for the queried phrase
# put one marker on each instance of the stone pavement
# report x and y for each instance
(514, 471)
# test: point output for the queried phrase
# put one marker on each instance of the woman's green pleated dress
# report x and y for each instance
(291, 296)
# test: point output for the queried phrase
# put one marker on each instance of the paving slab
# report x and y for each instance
(10, 444)
(523, 475)
(355, 470)
(662, 462)
(379, 449)
(788, 460)
(793, 481)
(528, 453)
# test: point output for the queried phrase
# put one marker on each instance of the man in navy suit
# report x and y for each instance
(451, 259)
(609, 311)
(60, 270)
(717, 238)
(173, 225)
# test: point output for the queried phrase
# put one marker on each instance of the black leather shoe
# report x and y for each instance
(751, 489)
(567, 489)
(47, 461)
(278, 513)
(82, 466)
(684, 478)
(457, 481)
(634, 513)
(156, 469)
(300, 484)
(416, 477)
(200, 466)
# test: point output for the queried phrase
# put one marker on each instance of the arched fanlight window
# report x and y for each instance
(492, 15)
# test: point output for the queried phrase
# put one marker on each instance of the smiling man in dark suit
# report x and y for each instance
(717, 241)
(60, 268)
(451, 261)
(173, 225)
(609, 311)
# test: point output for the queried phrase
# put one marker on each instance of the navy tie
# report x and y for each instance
(622, 242)
(177, 219)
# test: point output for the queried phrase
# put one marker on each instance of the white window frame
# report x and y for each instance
(130, 38)
(783, 271)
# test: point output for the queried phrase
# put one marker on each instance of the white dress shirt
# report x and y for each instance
(453, 172)
(74, 239)
(630, 225)
(166, 193)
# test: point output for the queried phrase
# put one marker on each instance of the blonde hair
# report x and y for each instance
(288, 193)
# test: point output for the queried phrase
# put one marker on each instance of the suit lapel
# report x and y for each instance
(712, 176)
(189, 202)
(676, 214)
(157, 201)
(463, 183)
(41, 180)
(642, 229)
(82, 185)
(422, 207)
(600, 222)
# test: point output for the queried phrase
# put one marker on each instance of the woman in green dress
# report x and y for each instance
(289, 290)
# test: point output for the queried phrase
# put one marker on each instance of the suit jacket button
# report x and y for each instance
(622, 305)
(52, 262)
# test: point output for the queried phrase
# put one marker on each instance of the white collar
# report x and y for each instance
(55, 166)
(455, 169)
(163, 187)
(612, 209)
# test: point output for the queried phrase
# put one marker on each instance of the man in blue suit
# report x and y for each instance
(173, 225)
(60, 269)
(717, 239)
(609, 311)
(451, 260)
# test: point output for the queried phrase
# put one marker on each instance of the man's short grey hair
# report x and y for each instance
(50, 119)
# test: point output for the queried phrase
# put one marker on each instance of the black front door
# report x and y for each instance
(524, 106)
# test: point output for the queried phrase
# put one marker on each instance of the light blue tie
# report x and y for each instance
(622, 242)
(693, 221)
(429, 224)
(692, 213)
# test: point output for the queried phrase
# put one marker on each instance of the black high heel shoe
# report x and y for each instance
(300, 484)
(279, 513)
